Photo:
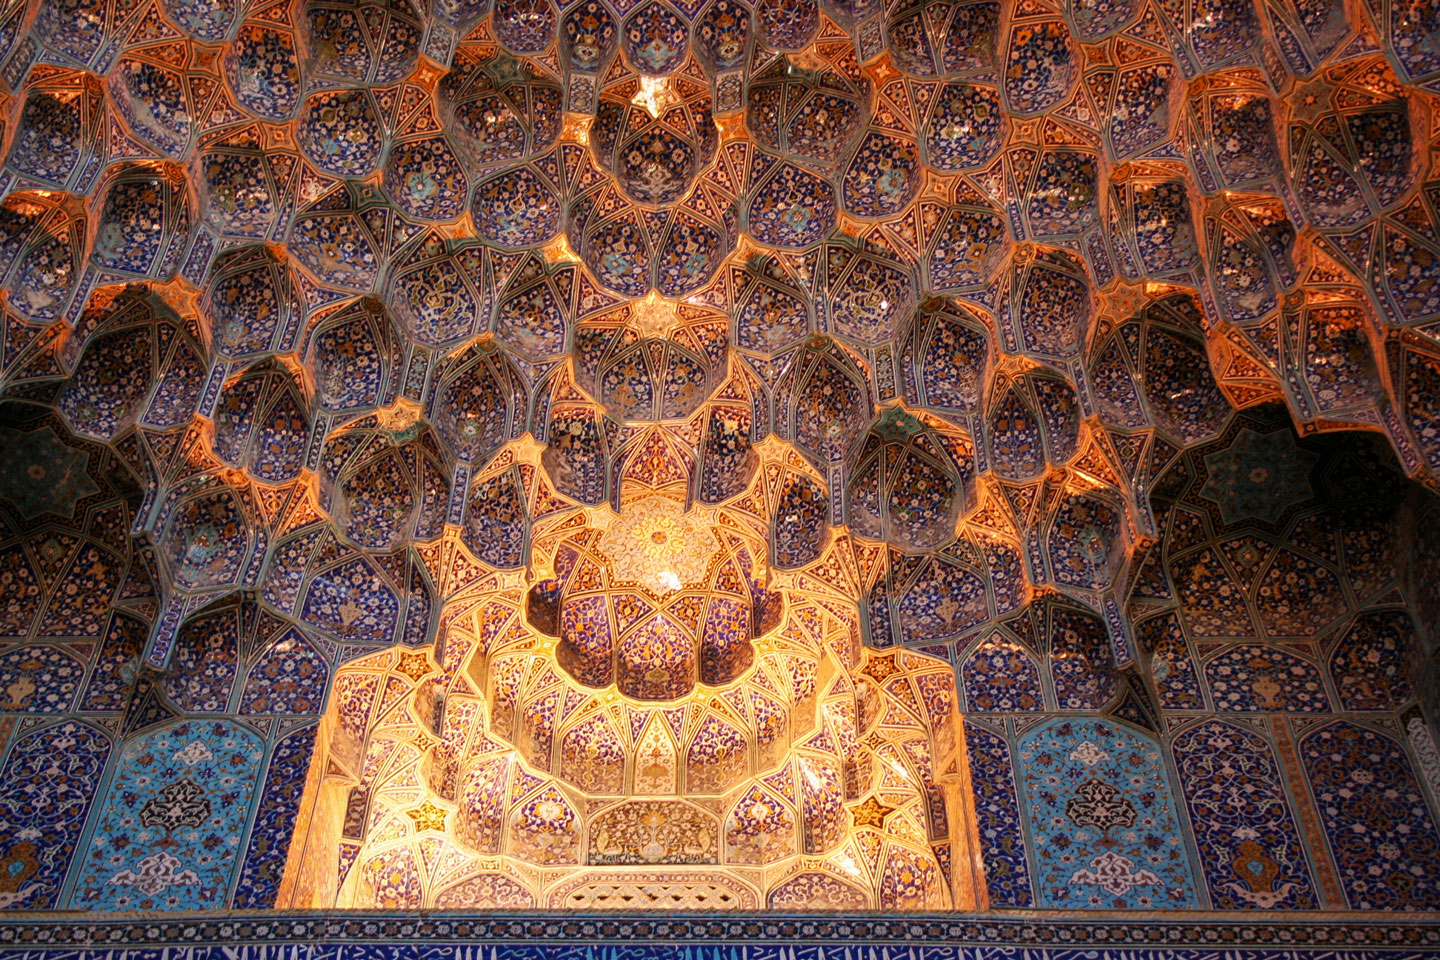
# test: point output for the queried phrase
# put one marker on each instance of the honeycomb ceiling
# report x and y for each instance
(375, 300)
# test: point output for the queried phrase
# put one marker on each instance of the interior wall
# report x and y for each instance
(1265, 755)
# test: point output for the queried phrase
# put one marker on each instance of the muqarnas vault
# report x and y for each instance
(714, 455)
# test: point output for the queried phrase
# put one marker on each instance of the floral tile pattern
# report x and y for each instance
(703, 455)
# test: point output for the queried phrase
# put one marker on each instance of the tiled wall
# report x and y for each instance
(1280, 763)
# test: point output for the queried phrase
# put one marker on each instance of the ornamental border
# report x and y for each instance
(562, 932)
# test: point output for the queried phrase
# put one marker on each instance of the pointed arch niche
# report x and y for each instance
(595, 736)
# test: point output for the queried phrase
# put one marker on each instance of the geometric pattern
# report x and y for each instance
(715, 455)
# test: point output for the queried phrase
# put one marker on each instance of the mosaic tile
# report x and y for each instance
(185, 783)
(1342, 760)
(1106, 826)
(1065, 366)
(1248, 841)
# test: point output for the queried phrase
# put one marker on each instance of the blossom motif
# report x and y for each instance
(1098, 804)
(1114, 874)
(1089, 754)
(155, 874)
(658, 545)
(180, 804)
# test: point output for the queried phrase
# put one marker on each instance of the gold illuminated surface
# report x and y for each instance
(659, 545)
(678, 756)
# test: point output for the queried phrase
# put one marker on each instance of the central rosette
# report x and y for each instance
(655, 544)
(659, 601)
